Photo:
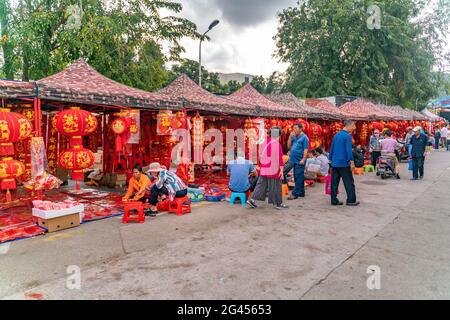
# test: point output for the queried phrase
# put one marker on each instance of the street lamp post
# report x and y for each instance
(212, 25)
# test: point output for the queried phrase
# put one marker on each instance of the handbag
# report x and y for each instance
(328, 185)
(410, 165)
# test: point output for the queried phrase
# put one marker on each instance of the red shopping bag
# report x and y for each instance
(328, 185)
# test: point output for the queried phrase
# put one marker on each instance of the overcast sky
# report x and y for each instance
(243, 41)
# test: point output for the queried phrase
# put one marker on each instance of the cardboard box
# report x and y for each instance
(51, 214)
(60, 223)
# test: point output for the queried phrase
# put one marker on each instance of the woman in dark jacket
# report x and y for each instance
(358, 155)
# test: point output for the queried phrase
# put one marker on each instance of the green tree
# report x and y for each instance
(333, 49)
(7, 49)
(119, 38)
(210, 80)
(259, 83)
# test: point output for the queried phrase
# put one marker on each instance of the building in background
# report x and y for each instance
(238, 77)
(339, 100)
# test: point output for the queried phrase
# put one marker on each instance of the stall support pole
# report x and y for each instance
(37, 126)
(103, 143)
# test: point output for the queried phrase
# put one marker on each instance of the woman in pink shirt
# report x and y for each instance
(271, 172)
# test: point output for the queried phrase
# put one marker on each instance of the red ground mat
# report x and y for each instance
(16, 221)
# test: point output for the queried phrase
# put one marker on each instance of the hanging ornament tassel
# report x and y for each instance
(8, 196)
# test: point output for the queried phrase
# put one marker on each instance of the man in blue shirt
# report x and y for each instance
(342, 164)
(299, 144)
(239, 171)
(418, 149)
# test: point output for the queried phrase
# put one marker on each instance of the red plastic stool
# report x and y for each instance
(309, 183)
(321, 179)
(130, 216)
(180, 206)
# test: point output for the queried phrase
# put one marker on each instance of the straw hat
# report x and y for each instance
(154, 167)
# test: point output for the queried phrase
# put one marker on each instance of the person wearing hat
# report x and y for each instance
(418, 150)
(408, 136)
(137, 185)
(166, 183)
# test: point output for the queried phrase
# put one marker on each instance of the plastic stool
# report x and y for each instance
(321, 179)
(242, 196)
(369, 168)
(359, 171)
(309, 183)
(130, 216)
(180, 206)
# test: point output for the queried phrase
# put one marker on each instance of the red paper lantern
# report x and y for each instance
(120, 126)
(75, 122)
(10, 169)
(14, 127)
(76, 159)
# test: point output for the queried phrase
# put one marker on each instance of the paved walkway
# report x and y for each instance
(311, 251)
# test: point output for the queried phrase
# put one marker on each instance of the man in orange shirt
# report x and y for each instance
(137, 185)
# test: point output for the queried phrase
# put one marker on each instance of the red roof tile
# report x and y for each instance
(250, 96)
(197, 98)
(365, 109)
(80, 83)
(288, 99)
(14, 89)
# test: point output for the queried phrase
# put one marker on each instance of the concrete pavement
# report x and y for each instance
(311, 251)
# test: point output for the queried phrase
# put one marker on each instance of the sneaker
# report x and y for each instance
(251, 203)
(413, 179)
(353, 204)
(150, 213)
(292, 198)
(421, 177)
(397, 176)
(339, 203)
(281, 207)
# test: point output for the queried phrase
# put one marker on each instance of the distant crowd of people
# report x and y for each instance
(265, 181)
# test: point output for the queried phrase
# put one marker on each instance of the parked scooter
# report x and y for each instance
(385, 167)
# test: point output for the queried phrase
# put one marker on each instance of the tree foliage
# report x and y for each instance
(332, 50)
(210, 80)
(120, 38)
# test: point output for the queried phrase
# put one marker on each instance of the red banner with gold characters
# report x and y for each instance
(52, 145)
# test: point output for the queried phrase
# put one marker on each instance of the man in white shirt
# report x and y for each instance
(444, 135)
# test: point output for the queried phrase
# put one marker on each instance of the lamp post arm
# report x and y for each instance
(200, 58)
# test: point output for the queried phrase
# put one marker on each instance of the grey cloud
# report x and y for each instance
(245, 13)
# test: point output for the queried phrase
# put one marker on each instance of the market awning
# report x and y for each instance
(430, 115)
(361, 109)
(80, 83)
(194, 97)
(17, 89)
(289, 100)
(328, 107)
(265, 107)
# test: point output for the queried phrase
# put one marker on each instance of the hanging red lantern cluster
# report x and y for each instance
(315, 136)
(76, 123)
(364, 134)
(376, 126)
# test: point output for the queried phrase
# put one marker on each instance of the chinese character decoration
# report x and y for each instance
(198, 127)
